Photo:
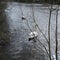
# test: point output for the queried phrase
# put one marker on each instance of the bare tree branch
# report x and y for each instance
(49, 22)
(38, 26)
(56, 37)
(43, 45)
(48, 40)
(37, 39)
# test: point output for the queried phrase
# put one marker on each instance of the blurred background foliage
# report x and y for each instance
(40, 1)
(36, 1)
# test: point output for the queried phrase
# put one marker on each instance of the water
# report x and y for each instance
(19, 48)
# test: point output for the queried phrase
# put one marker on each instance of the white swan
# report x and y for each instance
(23, 17)
(54, 57)
(33, 35)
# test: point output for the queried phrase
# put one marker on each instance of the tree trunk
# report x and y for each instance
(56, 37)
(49, 22)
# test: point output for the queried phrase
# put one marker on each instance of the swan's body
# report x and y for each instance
(33, 35)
